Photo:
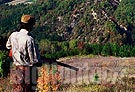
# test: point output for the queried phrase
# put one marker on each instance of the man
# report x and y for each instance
(25, 56)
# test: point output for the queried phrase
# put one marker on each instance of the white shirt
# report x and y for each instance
(24, 51)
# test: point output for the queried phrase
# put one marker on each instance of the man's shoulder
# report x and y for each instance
(30, 38)
(26, 37)
(13, 34)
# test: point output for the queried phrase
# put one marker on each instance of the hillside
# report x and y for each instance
(88, 21)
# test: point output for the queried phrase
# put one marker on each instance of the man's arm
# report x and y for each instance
(8, 44)
(32, 52)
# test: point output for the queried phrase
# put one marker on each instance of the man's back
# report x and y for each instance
(20, 43)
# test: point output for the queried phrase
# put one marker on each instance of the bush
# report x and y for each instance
(4, 64)
(49, 78)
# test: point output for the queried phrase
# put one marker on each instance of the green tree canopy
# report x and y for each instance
(125, 13)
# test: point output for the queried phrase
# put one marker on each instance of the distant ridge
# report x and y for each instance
(15, 2)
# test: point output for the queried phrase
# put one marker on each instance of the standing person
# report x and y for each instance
(25, 56)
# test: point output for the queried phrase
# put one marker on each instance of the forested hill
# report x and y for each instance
(89, 21)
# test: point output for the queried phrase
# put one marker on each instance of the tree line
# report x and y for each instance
(74, 47)
(57, 50)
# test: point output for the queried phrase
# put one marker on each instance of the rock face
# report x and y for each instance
(15, 2)
(98, 69)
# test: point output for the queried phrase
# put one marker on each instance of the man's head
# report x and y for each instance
(27, 22)
(27, 19)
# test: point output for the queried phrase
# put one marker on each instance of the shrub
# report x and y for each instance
(4, 64)
(49, 78)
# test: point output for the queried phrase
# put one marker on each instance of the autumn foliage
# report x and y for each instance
(49, 78)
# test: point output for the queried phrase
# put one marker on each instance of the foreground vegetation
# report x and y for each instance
(105, 87)
(127, 85)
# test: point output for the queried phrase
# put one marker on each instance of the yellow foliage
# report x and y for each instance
(48, 80)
